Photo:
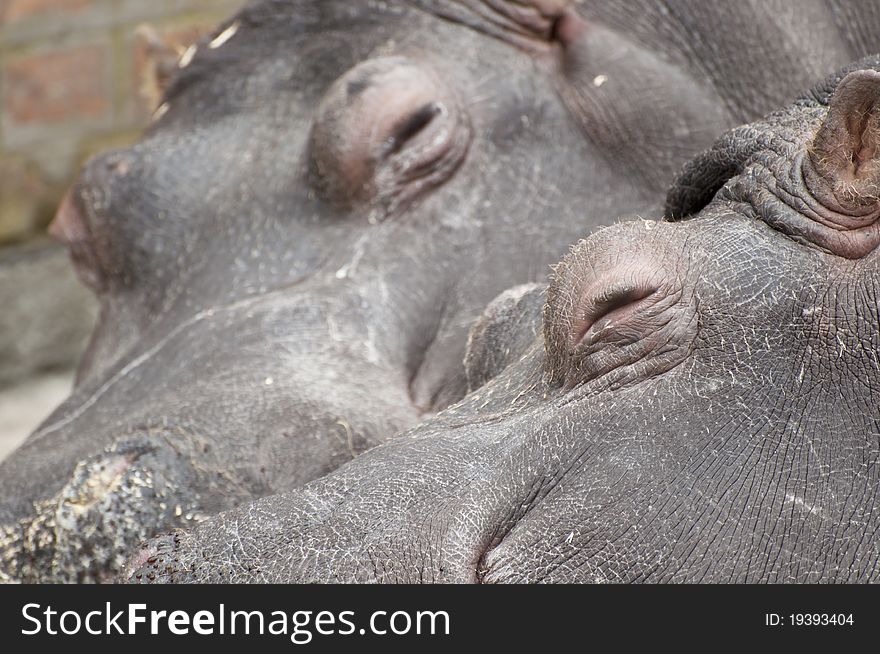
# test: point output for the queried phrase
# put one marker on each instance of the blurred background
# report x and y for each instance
(76, 77)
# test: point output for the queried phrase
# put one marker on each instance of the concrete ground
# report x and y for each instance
(26, 405)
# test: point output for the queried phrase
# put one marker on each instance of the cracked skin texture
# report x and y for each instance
(267, 321)
(754, 458)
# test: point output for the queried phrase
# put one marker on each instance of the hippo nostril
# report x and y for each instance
(117, 165)
(105, 170)
(602, 309)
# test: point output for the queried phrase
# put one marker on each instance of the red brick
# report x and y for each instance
(56, 87)
(15, 10)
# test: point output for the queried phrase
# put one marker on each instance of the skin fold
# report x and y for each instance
(290, 260)
(700, 405)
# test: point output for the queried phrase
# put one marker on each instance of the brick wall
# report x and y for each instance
(71, 73)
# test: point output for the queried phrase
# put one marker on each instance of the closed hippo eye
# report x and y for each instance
(606, 311)
(610, 323)
(387, 132)
(411, 125)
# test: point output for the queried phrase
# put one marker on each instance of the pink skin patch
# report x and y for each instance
(139, 560)
(570, 27)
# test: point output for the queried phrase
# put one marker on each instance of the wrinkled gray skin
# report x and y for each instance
(702, 405)
(289, 262)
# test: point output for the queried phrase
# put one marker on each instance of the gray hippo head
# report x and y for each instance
(699, 405)
(289, 261)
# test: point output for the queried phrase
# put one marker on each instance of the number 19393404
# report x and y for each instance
(808, 619)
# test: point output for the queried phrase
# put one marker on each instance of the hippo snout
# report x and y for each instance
(157, 561)
(128, 492)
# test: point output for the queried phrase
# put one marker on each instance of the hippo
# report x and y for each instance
(289, 262)
(697, 401)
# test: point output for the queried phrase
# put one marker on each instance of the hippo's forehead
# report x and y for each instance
(275, 48)
(292, 51)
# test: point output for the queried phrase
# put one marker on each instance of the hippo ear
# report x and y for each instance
(161, 61)
(844, 174)
(842, 169)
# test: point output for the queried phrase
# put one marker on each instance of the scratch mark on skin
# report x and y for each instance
(224, 36)
(371, 352)
(187, 57)
(333, 330)
(349, 436)
(161, 110)
(841, 348)
(350, 268)
(799, 503)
